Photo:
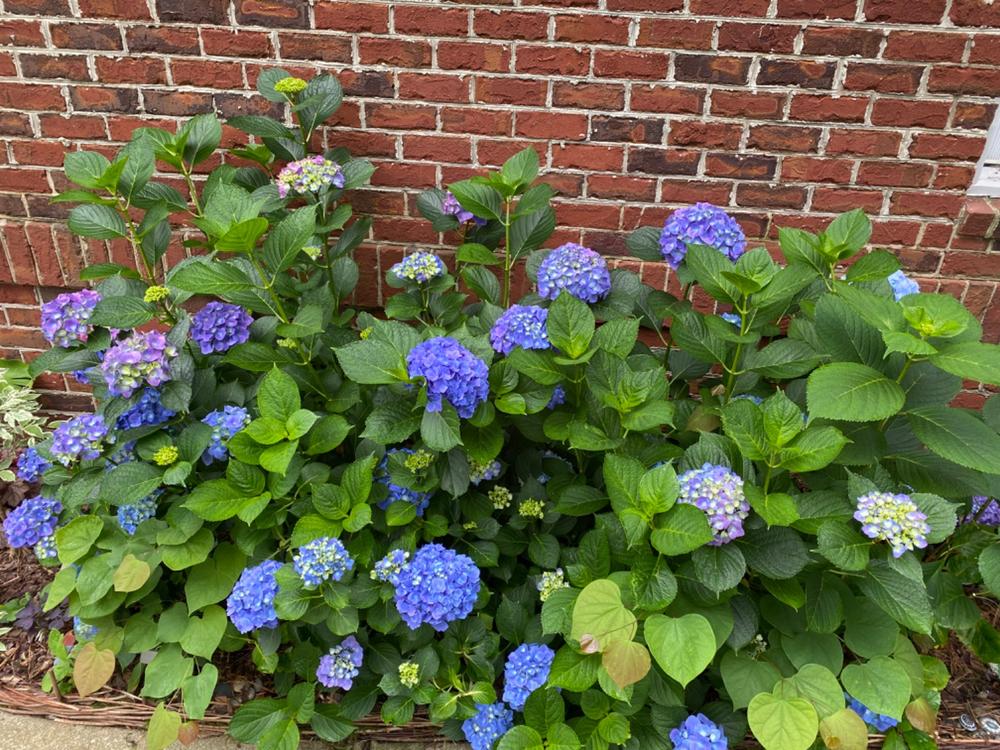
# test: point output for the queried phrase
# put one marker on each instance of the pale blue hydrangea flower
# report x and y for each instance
(701, 224)
(491, 722)
(251, 604)
(323, 559)
(521, 325)
(718, 492)
(389, 567)
(341, 665)
(310, 175)
(902, 285)
(577, 269)
(698, 732)
(527, 669)
(420, 267)
(892, 518)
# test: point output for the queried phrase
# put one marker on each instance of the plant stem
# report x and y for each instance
(279, 308)
(508, 261)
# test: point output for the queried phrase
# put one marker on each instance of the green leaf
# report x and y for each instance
(327, 433)
(253, 719)
(521, 168)
(202, 135)
(869, 631)
(853, 393)
(202, 276)
(441, 430)
(957, 436)
(743, 421)
(212, 580)
(529, 232)
(844, 730)
(644, 243)
(682, 529)
(75, 539)
(197, 691)
(92, 669)
(278, 457)
(874, 266)
(265, 127)
(572, 671)
(287, 238)
(814, 449)
(719, 568)
(849, 232)
(989, 567)
(278, 396)
(203, 634)
(682, 646)
(843, 546)
(745, 677)
(121, 312)
(626, 662)
(372, 362)
(483, 200)
(907, 343)
(899, 596)
(167, 672)
(971, 360)
(782, 723)
(707, 265)
(164, 728)
(97, 222)
(131, 574)
(521, 738)
(881, 684)
(600, 614)
(570, 325)
(473, 252)
(539, 366)
(783, 359)
(192, 552)
(86, 168)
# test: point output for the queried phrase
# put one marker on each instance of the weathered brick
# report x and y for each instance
(834, 9)
(895, 174)
(508, 90)
(935, 146)
(822, 108)
(546, 60)
(743, 104)
(974, 115)
(489, 121)
(588, 95)
(503, 24)
(192, 11)
(601, 29)
(814, 74)
(930, 46)
(627, 129)
(894, 79)
(841, 41)
(132, 70)
(163, 39)
(905, 11)
(91, 98)
(285, 14)
(963, 80)
(403, 53)
(911, 113)
(784, 138)
(711, 68)
(702, 134)
(757, 37)
(675, 33)
(86, 36)
(815, 169)
(865, 142)
(431, 21)
(345, 15)
(126, 9)
(741, 166)
(73, 67)
(629, 64)
(667, 99)
(325, 47)
(770, 196)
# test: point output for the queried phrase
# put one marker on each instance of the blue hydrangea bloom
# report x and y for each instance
(558, 397)
(146, 411)
(142, 358)
(718, 492)
(310, 175)
(219, 326)
(452, 372)
(451, 207)
(80, 438)
(521, 325)
(985, 510)
(577, 269)
(420, 267)
(701, 224)
(31, 465)
(527, 670)
(32, 521)
(132, 514)
(491, 722)
(225, 423)
(339, 667)
(698, 732)
(389, 567)
(398, 492)
(323, 559)
(251, 603)
(479, 473)
(436, 587)
(733, 318)
(879, 722)
(45, 549)
(123, 455)
(83, 631)
(902, 285)
(892, 518)
(66, 319)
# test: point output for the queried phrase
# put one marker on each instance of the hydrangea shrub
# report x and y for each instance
(519, 518)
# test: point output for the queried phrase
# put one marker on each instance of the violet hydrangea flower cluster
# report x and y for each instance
(452, 372)
(218, 327)
(323, 559)
(142, 358)
(436, 587)
(698, 732)
(66, 319)
(341, 665)
(577, 269)
(420, 267)
(490, 722)
(145, 412)
(484, 472)
(718, 492)
(892, 518)
(33, 523)
(309, 175)
(527, 669)
(251, 603)
(225, 423)
(31, 465)
(520, 325)
(389, 567)
(985, 510)
(396, 491)
(902, 285)
(879, 722)
(80, 438)
(701, 224)
(558, 397)
(131, 515)
(451, 207)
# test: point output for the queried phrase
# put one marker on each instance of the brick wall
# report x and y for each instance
(786, 111)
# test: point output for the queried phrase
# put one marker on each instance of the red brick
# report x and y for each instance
(741, 166)
(905, 11)
(617, 187)
(956, 80)
(192, 11)
(984, 49)
(590, 214)
(597, 28)
(591, 158)
(838, 200)
(690, 191)
(630, 65)
(974, 13)
(667, 99)
(971, 264)
(551, 125)
(73, 67)
(494, 152)
(895, 174)
(757, 37)
(823, 108)
(953, 178)
(302, 46)
(367, 83)
(784, 138)
(893, 79)
(930, 46)
(865, 142)
(26, 180)
(135, 70)
(509, 90)
(21, 32)
(506, 24)
(663, 161)
(24, 96)
(437, 148)
(702, 134)
(756, 8)
(548, 60)
(925, 113)
(743, 104)
(656, 6)
(38, 7)
(347, 15)
(400, 116)
(588, 95)
(236, 43)
(813, 169)
(163, 39)
(127, 9)
(429, 21)
(946, 205)
(814, 74)
(892, 232)
(626, 129)
(285, 14)
(224, 75)
(86, 36)
(489, 121)
(674, 33)
(176, 103)
(839, 9)
(435, 88)
(770, 196)
(711, 69)
(399, 52)
(15, 123)
(975, 115)
(72, 126)
(841, 42)
(936, 146)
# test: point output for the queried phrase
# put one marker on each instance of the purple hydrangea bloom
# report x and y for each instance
(323, 559)
(310, 175)
(577, 269)
(701, 224)
(141, 359)
(31, 465)
(339, 667)
(527, 670)
(66, 319)
(718, 492)
(891, 518)
(225, 423)
(218, 327)
(132, 514)
(398, 492)
(83, 631)
(698, 732)
(985, 510)
(558, 397)
(521, 325)
(436, 587)
(79, 438)
(251, 604)
(484, 472)
(452, 372)
(491, 722)
(879, 722)
(902, 285)
(146, 411)
(123, 455)
(389, 567)
(32, 521)
(420, 267)
(451, 207)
